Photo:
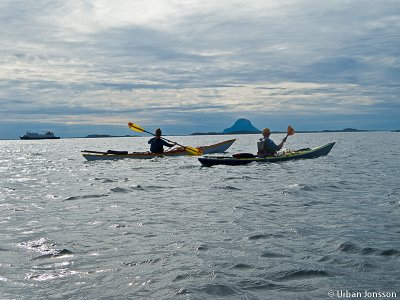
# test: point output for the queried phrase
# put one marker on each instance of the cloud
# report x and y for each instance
(170, 62)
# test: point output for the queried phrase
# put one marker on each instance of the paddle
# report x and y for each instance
(290, 131)
(191, 150)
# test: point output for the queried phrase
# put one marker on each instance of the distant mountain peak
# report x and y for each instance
(242, 126)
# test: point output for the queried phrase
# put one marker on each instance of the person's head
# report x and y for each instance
(158, 132)
(266, 132)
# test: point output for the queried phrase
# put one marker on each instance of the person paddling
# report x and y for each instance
(266, 146)
(157, 143)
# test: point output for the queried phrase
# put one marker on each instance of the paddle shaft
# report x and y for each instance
(164, 138)
(194, 151)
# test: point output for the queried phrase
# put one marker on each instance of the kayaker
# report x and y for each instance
(157, 143)
(266, 146)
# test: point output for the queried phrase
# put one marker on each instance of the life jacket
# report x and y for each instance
(263, 149)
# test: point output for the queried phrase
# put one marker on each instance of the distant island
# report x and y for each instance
(339, 130)
(244, 126)
(105, 136)
(241, 126)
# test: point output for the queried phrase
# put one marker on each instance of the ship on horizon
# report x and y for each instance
(47, 135)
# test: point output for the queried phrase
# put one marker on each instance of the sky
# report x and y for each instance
(82, 67)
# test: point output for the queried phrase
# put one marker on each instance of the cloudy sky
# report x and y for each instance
(89, 66)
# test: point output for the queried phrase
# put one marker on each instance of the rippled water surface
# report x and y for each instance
(167, 228)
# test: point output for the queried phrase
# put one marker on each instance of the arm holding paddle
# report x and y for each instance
(280, 145)
(290, 131)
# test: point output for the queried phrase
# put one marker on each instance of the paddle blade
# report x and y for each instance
(194, 151)
(290, 130)
(135, 127)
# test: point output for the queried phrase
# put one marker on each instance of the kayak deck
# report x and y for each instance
(209, 161)
(180, 151)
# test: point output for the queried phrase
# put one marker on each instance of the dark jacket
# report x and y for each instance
(156, 145)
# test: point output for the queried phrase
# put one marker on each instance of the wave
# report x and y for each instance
(242, 266)
(52, 275)
(350, 247)
(181, 277)
(202, 248)
(301, 274)
(127, 189)
(86, 197)
(46, 249)
(259, 284)
(273, 255)
(261, 236)
(219, 290)
(150, 261)
(55, 253)
(227, 187)
(120, 190)
(109, 180)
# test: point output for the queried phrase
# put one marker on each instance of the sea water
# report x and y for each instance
(167, 228)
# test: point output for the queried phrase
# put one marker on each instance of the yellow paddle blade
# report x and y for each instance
(135, 127)
(290, 130)
(193, 151)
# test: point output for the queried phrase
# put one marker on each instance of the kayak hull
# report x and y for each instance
(96, 155)
(209, 161)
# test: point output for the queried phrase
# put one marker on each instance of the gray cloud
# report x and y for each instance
(190, 61)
